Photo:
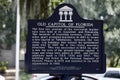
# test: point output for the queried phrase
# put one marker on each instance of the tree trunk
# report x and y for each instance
(114, 62)
(38, 9)
(32, 9)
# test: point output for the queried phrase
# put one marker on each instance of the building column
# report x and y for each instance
(65, 13)
(60, 13)
(70, 13)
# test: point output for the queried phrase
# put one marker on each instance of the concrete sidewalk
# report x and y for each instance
(10, 74)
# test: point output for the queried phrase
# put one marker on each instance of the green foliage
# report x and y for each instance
(113, 42)
(7, 24)
(109, 11)
(24, 76)
(56, 3)
(4, 63)
(112, 47)
(3, 66)
(44, 9)
(4, 4)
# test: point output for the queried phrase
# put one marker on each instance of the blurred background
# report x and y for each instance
(107, 10)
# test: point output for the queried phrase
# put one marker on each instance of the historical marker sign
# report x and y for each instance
(65, 43)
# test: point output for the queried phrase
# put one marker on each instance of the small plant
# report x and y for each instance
(3, 66)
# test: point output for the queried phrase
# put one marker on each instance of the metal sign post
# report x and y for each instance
(17, 41)
(68, 77)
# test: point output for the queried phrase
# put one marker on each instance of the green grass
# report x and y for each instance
(24, 76)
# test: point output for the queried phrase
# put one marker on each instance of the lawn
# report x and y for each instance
(24, 76)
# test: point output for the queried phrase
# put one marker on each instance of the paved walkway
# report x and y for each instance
(10, 74)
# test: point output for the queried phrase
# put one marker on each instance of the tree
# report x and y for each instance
(113, 47)
(109, 11)
(7, 24)
(35, 9)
